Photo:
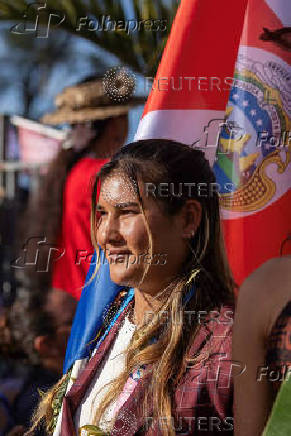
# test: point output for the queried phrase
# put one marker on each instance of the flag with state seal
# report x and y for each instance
(254, 148)
(248, 139)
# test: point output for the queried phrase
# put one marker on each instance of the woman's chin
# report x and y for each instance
(123, 276)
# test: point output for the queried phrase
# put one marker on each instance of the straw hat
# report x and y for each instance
(94, 100)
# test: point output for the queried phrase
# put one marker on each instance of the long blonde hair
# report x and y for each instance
(166, 358)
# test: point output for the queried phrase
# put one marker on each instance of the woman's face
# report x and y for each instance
(81, 134)
(122, 234)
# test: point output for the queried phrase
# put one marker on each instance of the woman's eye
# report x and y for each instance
(102, 212)
(128, 211)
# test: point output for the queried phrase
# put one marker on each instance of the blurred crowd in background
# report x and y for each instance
(46, 212)
(36, 157)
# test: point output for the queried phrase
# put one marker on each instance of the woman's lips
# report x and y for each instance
(118, 254)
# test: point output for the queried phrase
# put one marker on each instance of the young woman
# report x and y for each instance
(262, 343)
(162, 364)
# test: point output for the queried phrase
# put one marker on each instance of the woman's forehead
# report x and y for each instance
(116, 188)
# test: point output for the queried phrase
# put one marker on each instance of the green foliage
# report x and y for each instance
(29, 71)
(140, 50)
(279, 423)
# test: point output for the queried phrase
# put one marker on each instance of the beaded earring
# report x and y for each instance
(193, 274)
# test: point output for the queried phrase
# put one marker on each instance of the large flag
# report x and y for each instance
(189, 102)
(255, 155)
(249, 139)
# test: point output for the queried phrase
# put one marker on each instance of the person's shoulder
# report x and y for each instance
(273, 266)
(267, 280)
(262, 295)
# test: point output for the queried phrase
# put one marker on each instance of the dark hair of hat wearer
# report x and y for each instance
(48, 206)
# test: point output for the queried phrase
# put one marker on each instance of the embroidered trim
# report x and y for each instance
(58, 401)
(91, 430)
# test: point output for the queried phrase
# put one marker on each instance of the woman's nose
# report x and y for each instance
(109, 231)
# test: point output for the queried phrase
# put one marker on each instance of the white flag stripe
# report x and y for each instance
(186, 126)
(279, 7)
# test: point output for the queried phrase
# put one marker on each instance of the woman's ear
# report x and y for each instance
(43, 345)
(191, 213)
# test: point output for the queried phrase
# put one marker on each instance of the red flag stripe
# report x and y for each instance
(203, 42)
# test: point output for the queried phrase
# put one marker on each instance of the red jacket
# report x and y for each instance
(70, 269)
(203, 398)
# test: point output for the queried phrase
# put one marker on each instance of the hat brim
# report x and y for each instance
(70, 116)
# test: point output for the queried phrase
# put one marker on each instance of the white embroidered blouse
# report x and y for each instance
(112, 366)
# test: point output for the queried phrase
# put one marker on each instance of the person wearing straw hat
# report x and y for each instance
(99, 127)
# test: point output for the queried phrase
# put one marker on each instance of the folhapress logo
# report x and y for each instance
(38, 20)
